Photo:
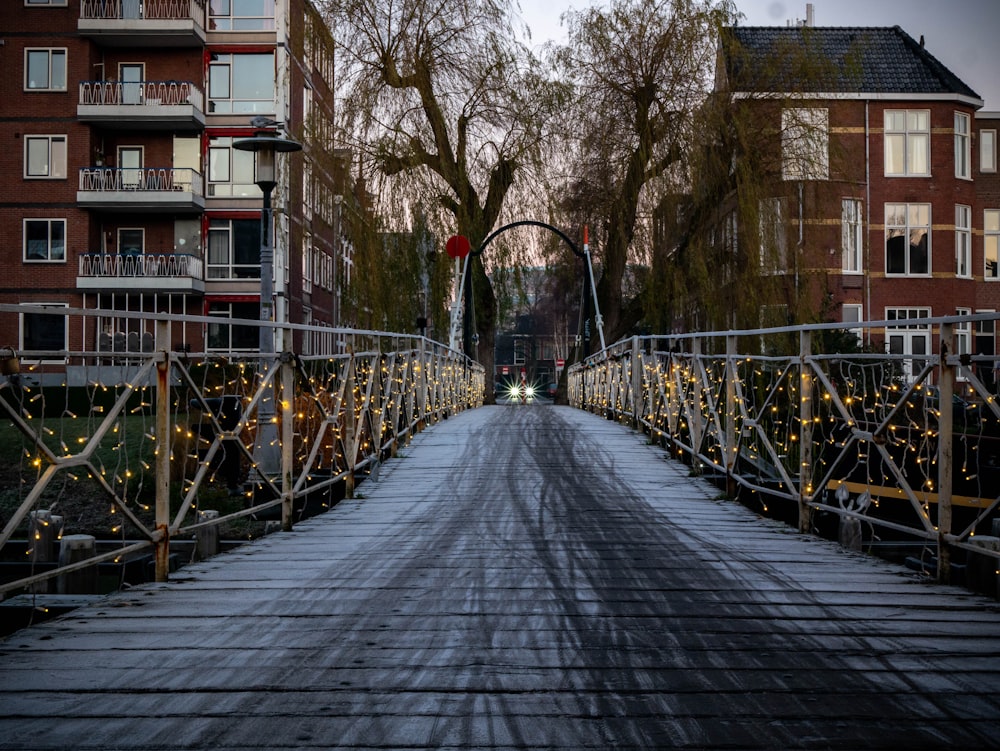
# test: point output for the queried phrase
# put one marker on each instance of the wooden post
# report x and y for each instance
(638, 405)
(73, 549)
(44, 530)
(207, 538)
(162, 458)
(946, 389)
(805, 433)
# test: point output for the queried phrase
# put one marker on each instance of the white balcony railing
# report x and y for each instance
(125, 265)
(140, 94)
(140, 179)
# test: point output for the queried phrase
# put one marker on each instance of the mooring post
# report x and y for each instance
(946, 389)
(805, 433)
(162, 457)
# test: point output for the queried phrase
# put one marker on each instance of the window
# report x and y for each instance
(131, 241)
(963, 241)
(851, 236)
(44, 239)
(987, 151)
(963, 339)
(908, 339)
(234, 249)
(805, 144)
(307, 262)
(991, 243)
(45, 332)
(241, 15)
(853, 313)
(233, 336)
(45, 69)
(239, 84)
(44, 3)
(907, 233)
(773, 240)
(45, 157)
(907, 142)
(963, 146)
(230, 171)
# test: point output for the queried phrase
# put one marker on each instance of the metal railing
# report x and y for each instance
(166, 265)
(858, 434)
(140, 93)
(166, 10)
(159, 445)
(140, 179)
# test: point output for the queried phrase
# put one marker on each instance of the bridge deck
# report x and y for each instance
(521, 578)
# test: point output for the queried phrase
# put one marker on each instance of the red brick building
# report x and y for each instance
(884, 185)
(124, 191)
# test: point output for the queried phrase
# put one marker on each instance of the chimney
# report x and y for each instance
(810, 15)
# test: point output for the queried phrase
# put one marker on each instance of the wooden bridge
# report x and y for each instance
(521, 576)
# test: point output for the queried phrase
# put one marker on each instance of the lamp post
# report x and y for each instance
(266, 144)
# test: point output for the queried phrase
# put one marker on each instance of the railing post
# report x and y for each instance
(636, 387)
(162, 460)
(946, 389)
(350, 422)
(287, 375)
(731, 446)
(805, 433)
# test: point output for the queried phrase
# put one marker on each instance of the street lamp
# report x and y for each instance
(266, 144)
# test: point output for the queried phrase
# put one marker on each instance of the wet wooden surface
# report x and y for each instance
(522, 577)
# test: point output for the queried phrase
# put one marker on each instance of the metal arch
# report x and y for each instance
(531, 223)
(589, 286)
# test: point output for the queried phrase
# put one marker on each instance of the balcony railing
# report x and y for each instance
(130, 265)
(143, 23)
(140, 94)
(164, 10)
(140, 179)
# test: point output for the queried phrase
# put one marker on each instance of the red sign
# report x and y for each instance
(457, 246)
(560, 363)
(506, 370)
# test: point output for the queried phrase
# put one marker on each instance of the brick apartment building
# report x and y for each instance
(884, 200)
(123, 189)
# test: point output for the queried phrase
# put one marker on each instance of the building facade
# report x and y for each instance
(882, 198)
(124, 189)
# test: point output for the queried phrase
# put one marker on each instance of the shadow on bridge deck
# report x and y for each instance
(522, 577)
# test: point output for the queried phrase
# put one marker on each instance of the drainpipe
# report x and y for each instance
(866, 239)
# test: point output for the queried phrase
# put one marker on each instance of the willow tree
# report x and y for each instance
(640, 69)
(443, 104)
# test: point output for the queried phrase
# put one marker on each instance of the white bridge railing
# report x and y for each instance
(151, 448)
(861, 435)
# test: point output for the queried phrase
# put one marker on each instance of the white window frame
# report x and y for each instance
(231, 104)
(805, 143)
(963, 146)
(963, 241)
(991, 244)
(773, 236)
(853, 313)
(224, 311)
(21, 338)
(906, 334)
(229, 268)
(916, 141)
(56, 158)
(852, 235)
(230, 20)
(51, 51)
(236, 161)
(48, 251)
(988, 150)
(963, 339)
(907, 229)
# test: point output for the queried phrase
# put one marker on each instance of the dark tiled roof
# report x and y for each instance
(871, 60)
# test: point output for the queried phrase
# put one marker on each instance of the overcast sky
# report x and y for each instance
(962, 34)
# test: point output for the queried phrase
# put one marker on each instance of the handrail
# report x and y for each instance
(861, 435)
(170, 265)
(339, 416)
(140, 93)
(140, 179)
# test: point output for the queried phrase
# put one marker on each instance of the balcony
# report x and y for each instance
(155, 190)
(141, 272)
(143, 23)
(142, 105)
